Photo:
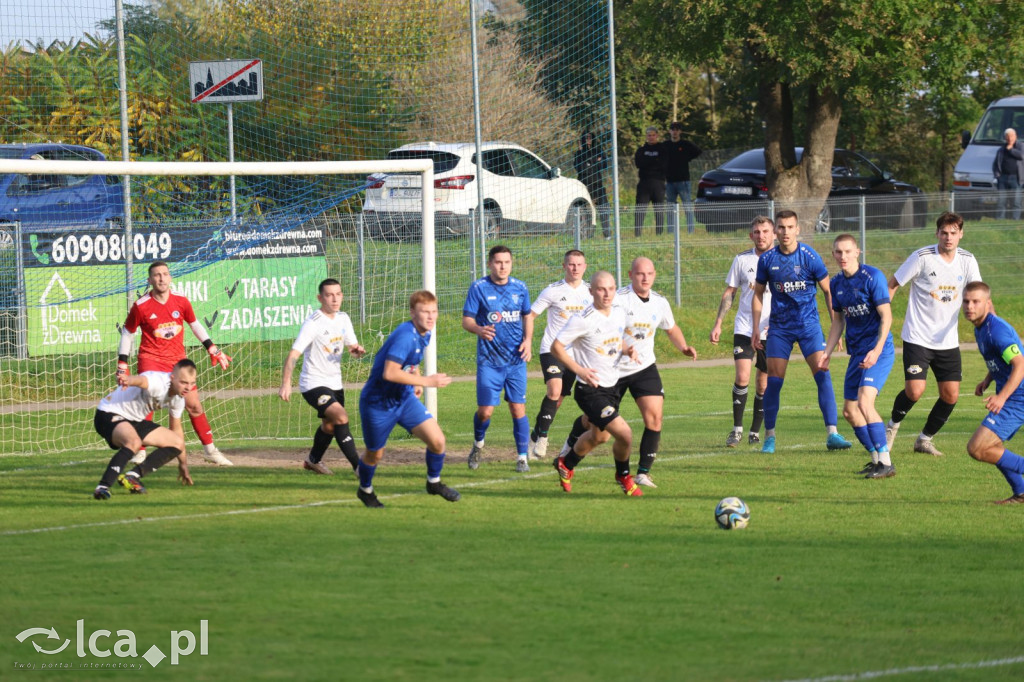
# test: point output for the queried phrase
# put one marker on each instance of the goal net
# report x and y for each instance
(247, 243)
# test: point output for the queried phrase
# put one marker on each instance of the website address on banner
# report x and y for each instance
(253, 235)
(280, 250)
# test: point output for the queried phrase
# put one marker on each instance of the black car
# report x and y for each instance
(888, 202)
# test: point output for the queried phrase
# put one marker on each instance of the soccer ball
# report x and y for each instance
(732, 512)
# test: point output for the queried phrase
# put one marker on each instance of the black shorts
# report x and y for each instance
(321, 398)
(643, 383)
(945, 364)
(743, 349)
(553, 369)
(106, 422)
(601, 405)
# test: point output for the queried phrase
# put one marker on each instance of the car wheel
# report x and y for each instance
(492, 223)
(824, 222)
(586, 220)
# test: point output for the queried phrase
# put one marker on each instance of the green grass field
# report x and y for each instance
(837, 578)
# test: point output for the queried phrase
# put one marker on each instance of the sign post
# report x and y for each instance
(227, 81)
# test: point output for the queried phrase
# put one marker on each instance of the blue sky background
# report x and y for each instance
(51, 19)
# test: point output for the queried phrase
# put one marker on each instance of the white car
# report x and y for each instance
(521, 193)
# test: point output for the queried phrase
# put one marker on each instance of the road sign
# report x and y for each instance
(231, 80)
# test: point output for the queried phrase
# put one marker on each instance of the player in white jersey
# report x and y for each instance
(599, 341)
(937, 276)
(646, 312)
(741, 279)
(324, 338)
(561, 300)
(121, 421)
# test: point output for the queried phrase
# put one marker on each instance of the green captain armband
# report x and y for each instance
(1010, 353)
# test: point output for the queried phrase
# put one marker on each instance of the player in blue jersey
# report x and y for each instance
(1000, 345)
(791, 271)
(390, 398)
(497, 311)
(860, 303)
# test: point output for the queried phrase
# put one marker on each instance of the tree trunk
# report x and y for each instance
(802, 187)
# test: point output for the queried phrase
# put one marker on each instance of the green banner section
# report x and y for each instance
(254, 300)
(59, 321)
(237, 301)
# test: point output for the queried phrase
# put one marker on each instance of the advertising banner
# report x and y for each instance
(74, 283)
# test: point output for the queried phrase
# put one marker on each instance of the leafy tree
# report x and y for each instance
(811, 60)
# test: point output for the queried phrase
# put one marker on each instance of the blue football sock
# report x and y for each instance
(1011, 461)
(434, 464)
(877, 432)
(863, 436)
(1015, 480)
(771, 401)
(826, 398)
(521, 433)
(479, 427)
(366, 473)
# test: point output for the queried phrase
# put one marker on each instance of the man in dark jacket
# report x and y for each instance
(650, 162)
(678, 155)
(591, 163)
(1008, 169)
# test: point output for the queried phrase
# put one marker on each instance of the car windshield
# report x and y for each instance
(443, 161)
(995, 121)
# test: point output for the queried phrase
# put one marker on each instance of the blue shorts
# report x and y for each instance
(378, 422)
(490, 381)
(779, 343)
(875, 376)
(1007, 422)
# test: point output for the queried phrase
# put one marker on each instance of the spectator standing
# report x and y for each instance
(678, 155)
(650, 163)
(1008, 168)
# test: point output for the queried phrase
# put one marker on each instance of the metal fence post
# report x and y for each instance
(678, 255)
(361, 258)
(472, 241)
(952, 202)
(577, 225)
(21, 321)
(862, 220)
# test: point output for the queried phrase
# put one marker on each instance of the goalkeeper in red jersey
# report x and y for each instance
(162, 314)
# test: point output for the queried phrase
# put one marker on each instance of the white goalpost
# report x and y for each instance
(66, 284)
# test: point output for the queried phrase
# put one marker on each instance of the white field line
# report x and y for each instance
(913, 670)
(348, 500)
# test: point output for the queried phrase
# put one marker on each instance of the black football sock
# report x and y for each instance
(578, 429)
(649, 443)
(321, 441)
(548, 408)
(739, 405)
(347, 443)
(755, 425)
(116, 466)
(937, 417)
(571, 460)
(622, 468)
(155, 460)
(901, 406)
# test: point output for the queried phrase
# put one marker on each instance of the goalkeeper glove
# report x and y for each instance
(122, 369)
(218, 357)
